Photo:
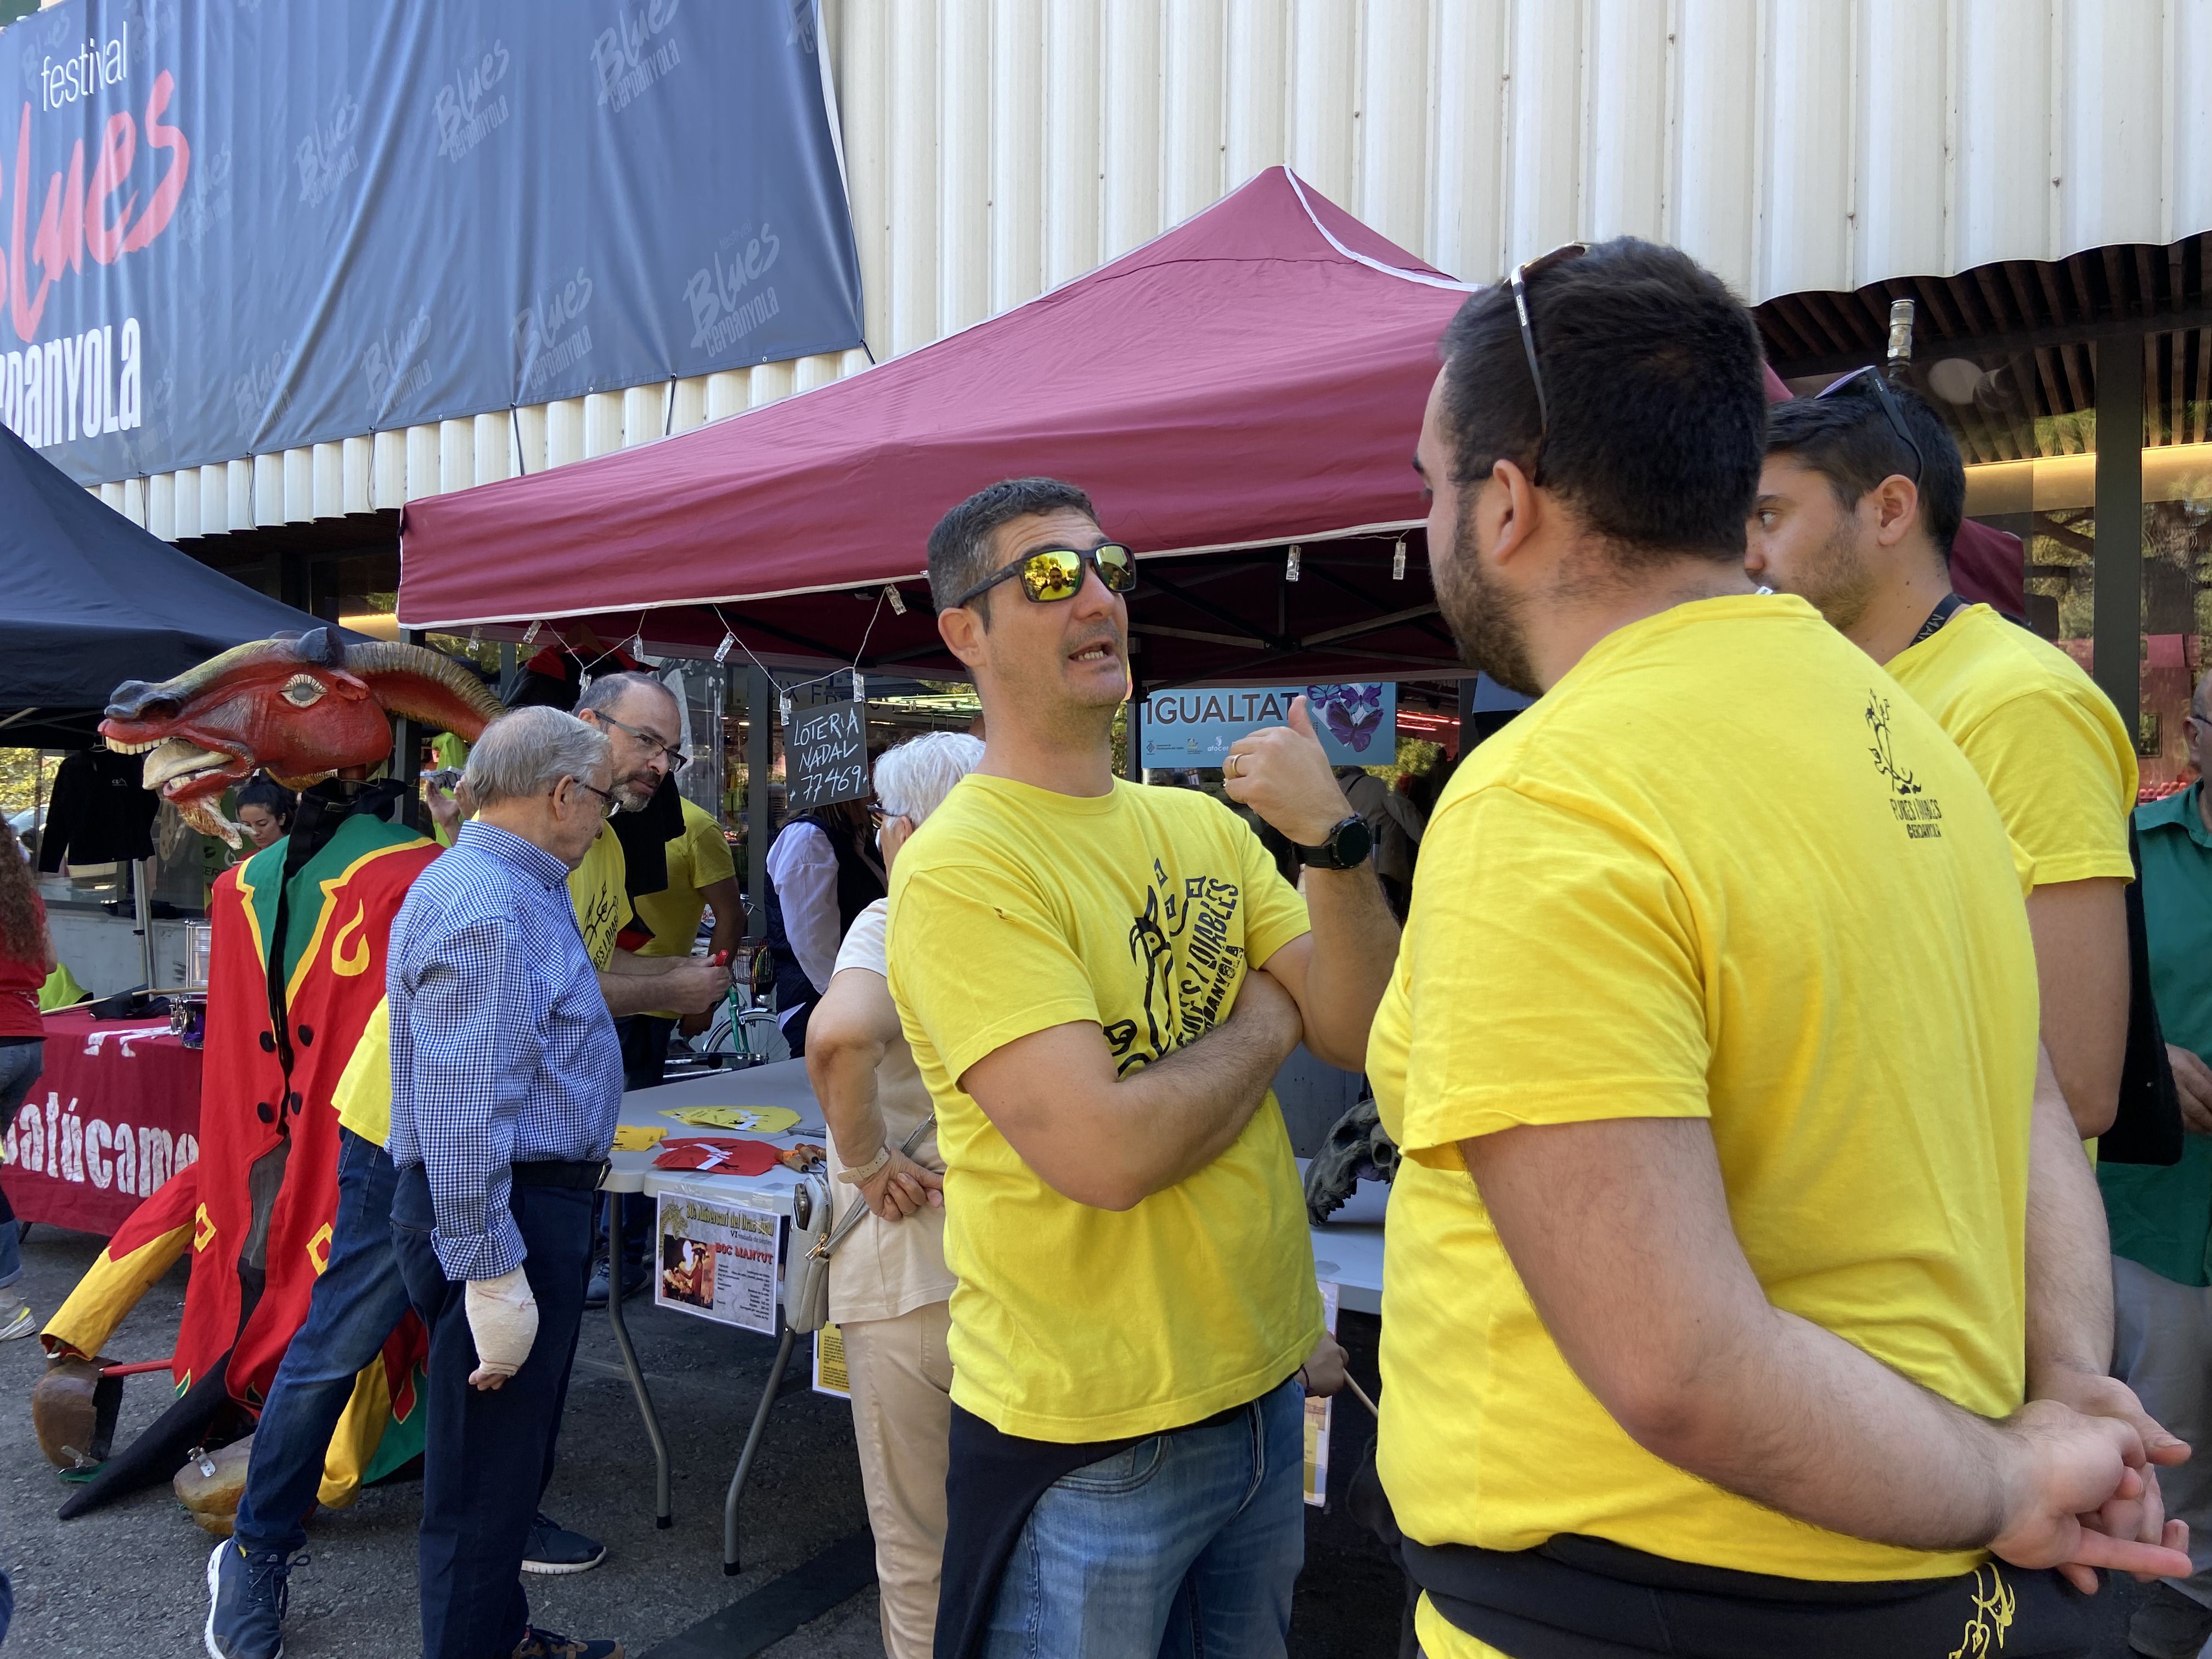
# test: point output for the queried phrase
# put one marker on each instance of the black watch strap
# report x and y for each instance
(1350, 841)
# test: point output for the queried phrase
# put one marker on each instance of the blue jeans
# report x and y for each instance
(357, 1302)
(19, 1065)
(1184, 1545)
(488, 1454)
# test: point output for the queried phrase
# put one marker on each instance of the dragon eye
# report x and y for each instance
(301, 690)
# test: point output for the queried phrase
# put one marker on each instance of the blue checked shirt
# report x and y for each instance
(503, 1050)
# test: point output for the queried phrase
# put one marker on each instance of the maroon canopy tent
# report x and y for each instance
(1254, 378)
(1251, 381)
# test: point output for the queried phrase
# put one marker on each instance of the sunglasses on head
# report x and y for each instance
(1522, 274)
(1871, 375)
(1056, 573)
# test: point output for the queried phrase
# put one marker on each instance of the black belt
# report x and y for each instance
(585, 1173)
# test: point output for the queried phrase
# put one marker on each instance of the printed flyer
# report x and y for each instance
(719, 1260)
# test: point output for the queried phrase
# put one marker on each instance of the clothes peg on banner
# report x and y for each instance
(860, 686)
(784, 703)
(1398, 561)
(476, 637)
(722, 651)
(531, 632)
(1291, 567)
(897, 599)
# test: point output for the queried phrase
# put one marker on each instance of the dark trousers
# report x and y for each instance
(488, 1453)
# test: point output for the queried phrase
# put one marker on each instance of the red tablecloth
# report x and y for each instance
(115, 1114)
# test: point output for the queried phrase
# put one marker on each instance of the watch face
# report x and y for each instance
(1352, 842)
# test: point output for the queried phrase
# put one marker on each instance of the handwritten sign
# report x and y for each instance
(1193, 728)
(825, 755)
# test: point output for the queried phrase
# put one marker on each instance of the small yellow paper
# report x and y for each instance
(637, 1138)
(750, 1119)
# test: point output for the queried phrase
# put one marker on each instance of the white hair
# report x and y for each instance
(913, 779)
(528, 752)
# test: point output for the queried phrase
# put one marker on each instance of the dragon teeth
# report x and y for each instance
(123, 748)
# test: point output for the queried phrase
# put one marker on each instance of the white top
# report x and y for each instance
(803, 867)
(885, 1268)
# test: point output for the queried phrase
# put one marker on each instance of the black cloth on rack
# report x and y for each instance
(100, 813)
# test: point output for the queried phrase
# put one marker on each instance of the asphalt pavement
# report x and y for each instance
(130, 1579)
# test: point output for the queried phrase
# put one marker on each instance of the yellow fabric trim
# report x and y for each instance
(109, 1290)
(253, 921)
(353, 1443)
(323, 916)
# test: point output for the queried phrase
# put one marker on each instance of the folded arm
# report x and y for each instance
(1699, 1368)
(1113, 1141)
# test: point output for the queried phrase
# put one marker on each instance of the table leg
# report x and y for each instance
(752, 1444)
(664, 1514)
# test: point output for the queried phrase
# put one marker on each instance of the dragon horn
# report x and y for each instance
(425, 685)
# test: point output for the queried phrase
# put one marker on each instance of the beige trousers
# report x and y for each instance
(901, 1379)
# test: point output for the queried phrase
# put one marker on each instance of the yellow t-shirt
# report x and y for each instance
(1014, 910)
(2056, 756)
(363, 1095)
(697, 859)
(1724, 869)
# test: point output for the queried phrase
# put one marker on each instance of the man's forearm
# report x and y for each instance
(1355, 947)
(630, 983)
(2080, 933)
(2069, 1265)
(1170, 1118)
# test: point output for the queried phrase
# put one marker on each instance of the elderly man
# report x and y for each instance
(505, 1078)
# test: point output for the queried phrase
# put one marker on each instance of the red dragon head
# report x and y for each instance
(302, 707)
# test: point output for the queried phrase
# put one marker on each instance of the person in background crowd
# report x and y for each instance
(26, 956)
(887, 1280)
(1098, 979)
(506, 1080)
(1860, 500)
(1395, 828)
(1773, 1025)
(821, 875)
(2161, 1218)
(701, 875)
(264, 811)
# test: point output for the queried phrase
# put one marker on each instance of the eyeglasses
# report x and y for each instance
(612, 801)
(677, 760)
(1518, 281)
(1056, 573)
(1872, 375)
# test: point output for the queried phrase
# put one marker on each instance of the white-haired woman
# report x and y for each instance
(889, 1286)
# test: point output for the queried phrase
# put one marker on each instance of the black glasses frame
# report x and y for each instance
(1122, 580)
(1517, 282)
(613, 801)
(677, 760)
(1873, 375)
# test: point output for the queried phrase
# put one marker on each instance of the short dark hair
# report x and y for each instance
(960, 547)
(1656, 390)
(1848, 440)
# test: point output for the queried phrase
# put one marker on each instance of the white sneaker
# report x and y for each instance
(21, 1325)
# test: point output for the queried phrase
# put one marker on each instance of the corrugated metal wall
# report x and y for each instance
(995, 148)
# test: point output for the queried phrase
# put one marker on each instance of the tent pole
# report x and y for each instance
(760, 704)
(142, 904)
(1132, 759)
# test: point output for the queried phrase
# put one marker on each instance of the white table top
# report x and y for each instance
(1347, 1249)
(783, 1083)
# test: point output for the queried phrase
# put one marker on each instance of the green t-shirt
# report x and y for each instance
(2161, 1217)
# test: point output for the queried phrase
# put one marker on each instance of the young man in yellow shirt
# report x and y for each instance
(1712, 1049)
(1861, 494)
(1098, 981)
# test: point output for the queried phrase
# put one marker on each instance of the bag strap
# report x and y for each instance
(829, 1242)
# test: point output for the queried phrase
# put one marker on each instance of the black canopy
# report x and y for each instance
(87, 599)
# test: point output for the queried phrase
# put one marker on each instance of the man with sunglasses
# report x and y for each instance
(1861, 498)
(1712, 1053)
(1099, 979)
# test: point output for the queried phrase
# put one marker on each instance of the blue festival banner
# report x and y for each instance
(230, 227)
(1358, 724)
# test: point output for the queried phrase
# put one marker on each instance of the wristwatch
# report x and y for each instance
(1349, 842)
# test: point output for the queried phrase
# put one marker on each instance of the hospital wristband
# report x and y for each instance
(862, 1172)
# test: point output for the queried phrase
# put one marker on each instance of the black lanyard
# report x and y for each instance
(1936, 619)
